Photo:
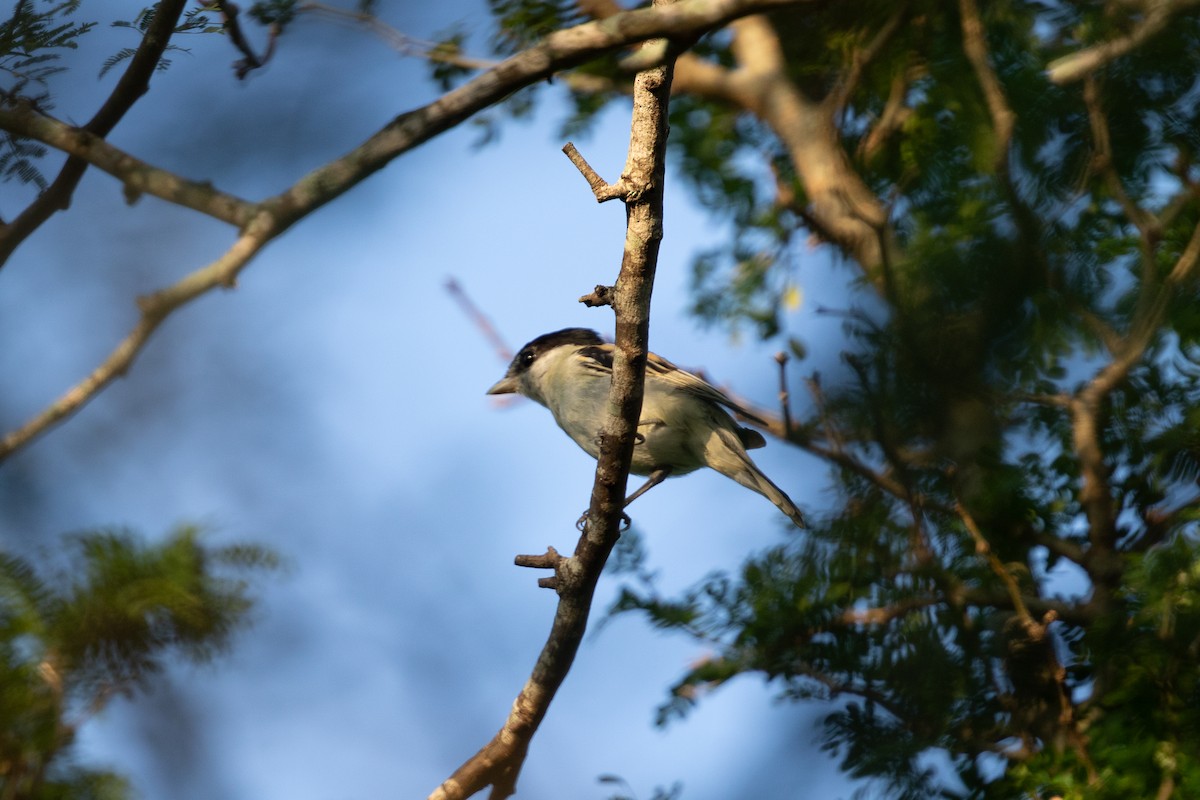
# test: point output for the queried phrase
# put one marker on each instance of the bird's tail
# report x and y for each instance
(726, 455)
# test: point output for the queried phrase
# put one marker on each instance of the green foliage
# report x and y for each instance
(71, 642)
(29, 41)
(443, 67)
(195, 20)
(522, 22)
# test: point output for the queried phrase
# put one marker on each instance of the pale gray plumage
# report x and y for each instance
(684, 423)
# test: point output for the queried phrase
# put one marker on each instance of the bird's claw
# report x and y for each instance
(581, 523)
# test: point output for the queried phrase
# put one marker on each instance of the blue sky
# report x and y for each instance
(332, 407)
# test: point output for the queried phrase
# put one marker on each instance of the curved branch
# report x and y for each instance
(154, 309)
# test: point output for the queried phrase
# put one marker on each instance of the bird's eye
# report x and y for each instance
(527, 358)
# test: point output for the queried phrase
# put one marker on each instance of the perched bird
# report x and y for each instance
(684, 425)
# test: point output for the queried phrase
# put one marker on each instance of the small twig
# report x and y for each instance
(785, 406)
(549, 560)
(603, 190)
(1102, 163)
(870, 616)
(1061, 400)
(482, 323)
(1014, 590)
(600, 296)
(398, 40)
(250, 61)
(891, 119)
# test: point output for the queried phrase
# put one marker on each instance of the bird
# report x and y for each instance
(685, 422)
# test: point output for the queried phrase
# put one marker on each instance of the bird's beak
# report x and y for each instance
(506, 385)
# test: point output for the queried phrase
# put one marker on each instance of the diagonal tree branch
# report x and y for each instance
(499, 762)
(134, 83)
(1078, 65)
(154, 309)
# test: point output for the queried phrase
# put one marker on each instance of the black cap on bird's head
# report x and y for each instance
(579, 337)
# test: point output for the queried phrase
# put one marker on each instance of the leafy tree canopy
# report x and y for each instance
(70, 642)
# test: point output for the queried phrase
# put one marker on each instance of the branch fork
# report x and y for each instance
(623, 189)
(551, 559)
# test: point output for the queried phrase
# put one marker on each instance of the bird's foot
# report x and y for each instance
(581, 523)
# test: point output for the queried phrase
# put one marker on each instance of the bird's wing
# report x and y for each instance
(693, 384)
(599, 358)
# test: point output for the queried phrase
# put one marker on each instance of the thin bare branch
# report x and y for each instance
(481, 321)
(154, 309)
(499, 762)
(398, 40)
(785, 402)
(882, 615)
(558, 51)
